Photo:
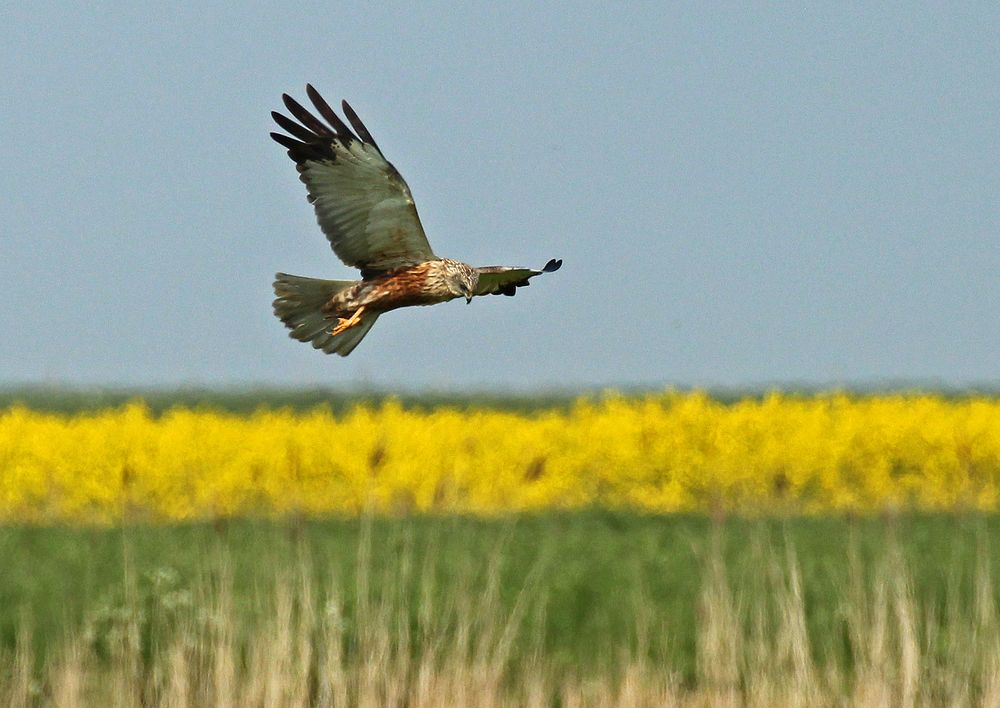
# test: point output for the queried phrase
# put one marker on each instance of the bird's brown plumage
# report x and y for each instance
(365, 208)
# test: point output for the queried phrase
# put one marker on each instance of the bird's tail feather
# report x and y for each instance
(298, 305)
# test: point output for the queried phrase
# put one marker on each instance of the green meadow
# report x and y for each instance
(549, 606)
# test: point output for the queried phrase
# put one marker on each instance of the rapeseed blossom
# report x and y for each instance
(670, 452)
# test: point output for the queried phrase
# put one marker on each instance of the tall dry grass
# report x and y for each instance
(460, 647)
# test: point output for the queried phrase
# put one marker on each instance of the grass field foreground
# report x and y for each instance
(593, 609)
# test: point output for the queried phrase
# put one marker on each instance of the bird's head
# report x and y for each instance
(462, 280)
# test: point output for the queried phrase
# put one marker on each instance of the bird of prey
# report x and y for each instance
(365, 208)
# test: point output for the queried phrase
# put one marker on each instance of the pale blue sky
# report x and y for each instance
(741, 195)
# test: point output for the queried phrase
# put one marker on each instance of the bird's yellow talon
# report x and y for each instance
(343, 324)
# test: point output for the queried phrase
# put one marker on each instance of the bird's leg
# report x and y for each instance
(343, 323)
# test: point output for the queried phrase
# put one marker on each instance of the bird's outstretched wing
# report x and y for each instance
(505, 280)
(362, 202)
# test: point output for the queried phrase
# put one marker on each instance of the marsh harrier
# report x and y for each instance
(367, 212)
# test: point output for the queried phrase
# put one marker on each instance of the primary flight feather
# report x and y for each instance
(365, 208)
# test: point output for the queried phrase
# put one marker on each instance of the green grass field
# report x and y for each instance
(581, 590)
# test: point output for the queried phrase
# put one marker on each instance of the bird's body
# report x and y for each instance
(423, 284)
(366, 210)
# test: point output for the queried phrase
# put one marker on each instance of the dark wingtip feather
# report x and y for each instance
(290, 143)
(292, 127)
(359, 127)
(302, 151)
(343, 132)
(305, 117)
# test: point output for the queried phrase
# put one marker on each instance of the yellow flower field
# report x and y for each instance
(665, 453)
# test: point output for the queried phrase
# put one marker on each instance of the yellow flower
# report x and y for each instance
(662, 453)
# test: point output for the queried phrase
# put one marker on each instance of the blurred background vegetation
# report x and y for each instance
(236, 399)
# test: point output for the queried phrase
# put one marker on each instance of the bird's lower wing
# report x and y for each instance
(504, 280)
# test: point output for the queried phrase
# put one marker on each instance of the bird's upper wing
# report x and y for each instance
(505, 280)
(362, 202)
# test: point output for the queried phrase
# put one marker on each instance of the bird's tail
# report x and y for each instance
(298, 305)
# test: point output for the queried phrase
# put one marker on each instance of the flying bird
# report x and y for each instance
(365, 208)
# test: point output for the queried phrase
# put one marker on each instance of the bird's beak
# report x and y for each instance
(468, 299)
